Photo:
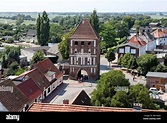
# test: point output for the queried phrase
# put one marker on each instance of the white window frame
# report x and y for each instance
(121, 50)
(127, 49)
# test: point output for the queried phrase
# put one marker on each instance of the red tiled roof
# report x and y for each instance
(39, 79)
(137, 40)
(47, 65)
(158, 33)
(30, 89)
(46, 107)
(84, 31)
(13, 101)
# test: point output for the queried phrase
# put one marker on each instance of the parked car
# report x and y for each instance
(155, 91)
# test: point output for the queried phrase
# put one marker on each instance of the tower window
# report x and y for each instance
(89, 43)
(76, 42)
(82, 43)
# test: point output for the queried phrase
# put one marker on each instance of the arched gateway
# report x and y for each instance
(84, 51)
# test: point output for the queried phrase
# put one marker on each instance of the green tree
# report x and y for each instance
(38, 56)
(105, 88)
(38, 25)
(146, 62)
(129, 20)
(64, 45)
(94, 20)
(122, 29)
(107, 32)
(43, 29)
(139, 94)
(110, 56)
(120, 99)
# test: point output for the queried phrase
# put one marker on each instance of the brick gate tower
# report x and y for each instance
(84, 52)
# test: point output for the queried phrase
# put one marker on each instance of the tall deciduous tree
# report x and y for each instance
(146, 62)
(64, 45)
(105, 89)
(94, 20)
(43, 29)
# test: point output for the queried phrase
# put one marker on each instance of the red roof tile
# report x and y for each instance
(47, 65)
(158, 33)
(13, 101)
(46, 107)
(137, 40)
(84, 31)
(30, 89)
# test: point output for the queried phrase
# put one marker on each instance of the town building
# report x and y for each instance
(84, 52)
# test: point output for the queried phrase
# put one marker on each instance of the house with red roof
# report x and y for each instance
(31, 90)
(138, 44)
(12, 99)
(32, 83)
(53, 75)
(160, 36)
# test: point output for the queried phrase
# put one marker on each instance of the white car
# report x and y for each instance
(155, 90)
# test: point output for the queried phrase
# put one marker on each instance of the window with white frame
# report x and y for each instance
(94, 43)
(71, 42)
(83, 60)
(94, 61)
(121, 50)
(94, 70)
(91, 70)
(133, 51)
(127, 49)
(88, 62)
(94, 51)
(81, 50)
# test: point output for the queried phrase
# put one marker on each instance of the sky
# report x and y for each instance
(83, 5)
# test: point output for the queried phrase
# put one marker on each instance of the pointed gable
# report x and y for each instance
(82, 99)
(137, 40)
(85, 31)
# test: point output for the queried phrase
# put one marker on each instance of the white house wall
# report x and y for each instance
(142, 50)
(161, 41)
(150, 46)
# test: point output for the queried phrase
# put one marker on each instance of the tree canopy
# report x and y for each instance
(38, 56)
(94, 20)
(43, 29)
(105, 90)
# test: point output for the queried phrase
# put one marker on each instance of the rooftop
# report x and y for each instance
(157, 74)
(47, 107)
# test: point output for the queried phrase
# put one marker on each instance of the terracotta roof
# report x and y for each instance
(46, 107)
(84, 31)
(158, 33)
(47, 65)
(14, 101)
(30, 89)
(82, 98)
(137, 40)
(39, 79)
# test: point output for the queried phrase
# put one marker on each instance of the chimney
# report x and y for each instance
(65, 101)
